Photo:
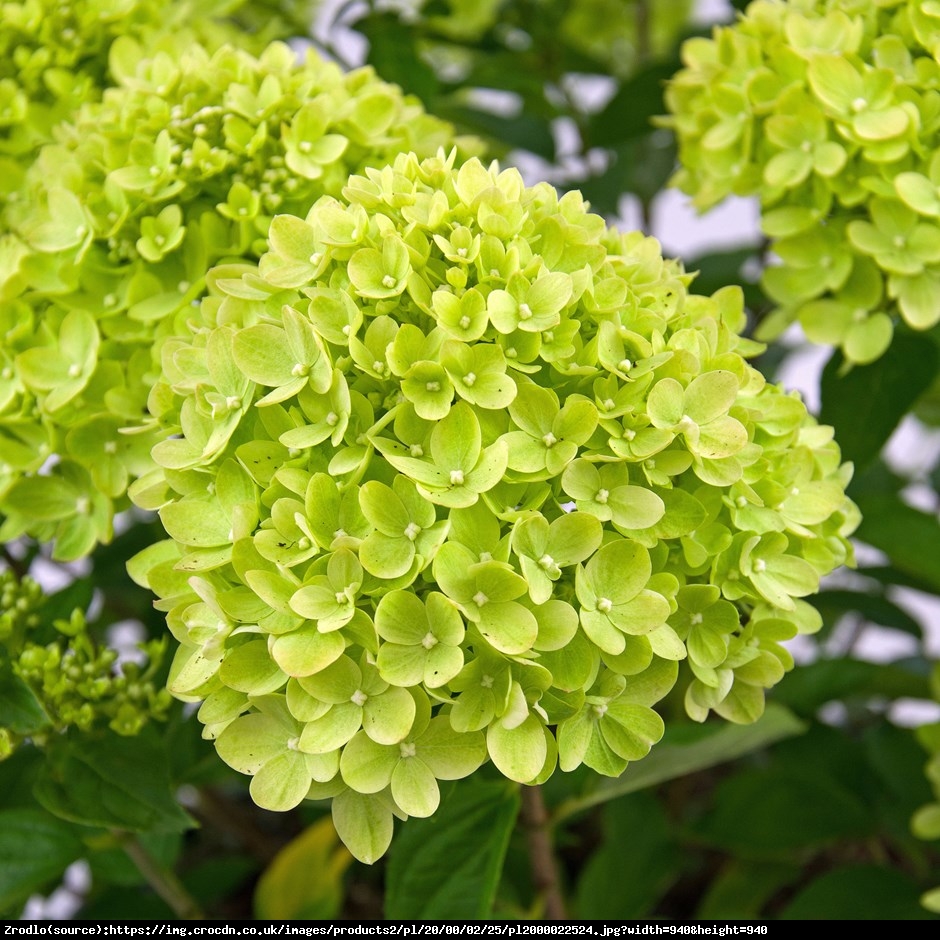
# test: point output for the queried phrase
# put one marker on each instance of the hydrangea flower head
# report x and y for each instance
(179, 167)
(464, 475)
(825, 110)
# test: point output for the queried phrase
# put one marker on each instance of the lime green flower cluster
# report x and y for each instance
(69, 681)
(180, 166)
(54, 55)
(826, 109)
(464, 475)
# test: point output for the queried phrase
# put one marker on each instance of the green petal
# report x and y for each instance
(387, 718)
(415, 788)
(282, 783)
(332, 730)
(518, 753)
(367, 766)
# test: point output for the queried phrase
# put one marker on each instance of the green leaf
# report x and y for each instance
(717, 744)
(111, 781)
(618, 884)
(304, 880)
(858, 892)
(814, 684)
(909, 537)
(394, 54)
(874, 607)
(883, 391)
(766, 811)
(629, 113)
(432, 876)
(20, 712)
(35, 848)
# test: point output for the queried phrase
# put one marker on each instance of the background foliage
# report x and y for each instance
(806, 814)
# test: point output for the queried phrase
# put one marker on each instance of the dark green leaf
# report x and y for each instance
(873, 607)
(76, 596)
(742, 888)
(765, 812)
(910, 538)
(35, 848)
(449, 865)
(19, 710)
(866, 404)
(858, 892)
(394, 54)
(827, 680)
(523, 131)
(618, 884)
(111, 781)
(628, 114)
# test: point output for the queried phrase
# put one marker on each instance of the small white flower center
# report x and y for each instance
(388, 281)
(359, 698)
(525, 312)
(432, 386)
(599, 710)
(456, 477)
(549, 440)
(464, 322)
(696, 619)
(625, 365)
(546, 562)
(332, 419)
(407, 749)
(480, 599)
(487, 682)
(604, 605)
(416, 450)
(760, 565)
(601, 496)
(411, 531)
(75, 370)
(469, 379)
(429, 641)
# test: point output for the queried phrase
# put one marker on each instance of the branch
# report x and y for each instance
(537, 826)
(163, 881)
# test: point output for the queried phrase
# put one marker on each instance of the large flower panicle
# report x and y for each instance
(826, 110)
(179, 167)
(462, 474)
(54, 56)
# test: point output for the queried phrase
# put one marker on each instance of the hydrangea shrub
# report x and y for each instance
(179, 167)
(464, 475)
(826, 110)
